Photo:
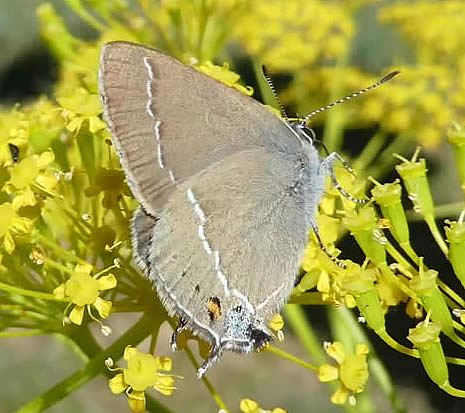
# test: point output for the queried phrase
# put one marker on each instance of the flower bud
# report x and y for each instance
(359, 282)
(387, 196)
(362, 225)
(424, 284)
(455, 233)
(425, 337)
(413, 173)
(456, 135)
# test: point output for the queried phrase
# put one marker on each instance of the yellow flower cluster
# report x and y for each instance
(27, 176)
(435, 28)
(419, 104)
(65, 207)
(291, 35)
(195, 29)
(14, 130)
(327, 274)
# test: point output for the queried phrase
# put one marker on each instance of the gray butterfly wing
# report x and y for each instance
(142, 230)
(169, 121)
(233, 235)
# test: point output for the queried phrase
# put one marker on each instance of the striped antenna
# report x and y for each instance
(353, 95)
(273, 91)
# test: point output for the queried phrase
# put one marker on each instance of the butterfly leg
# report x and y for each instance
(328, 163)
(323, 248)
(174, 337)
(214, 355)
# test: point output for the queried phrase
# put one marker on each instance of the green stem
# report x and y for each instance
(370, 151)
(30, 293)
(80, 10)
(58, 266)
(96, 365)
(219, 401)
(401, 260)
(23, 333)
(311, 298)
(333, 132)
(385, 161)
(455, 360)
(377, 368)
(202, 21)
(451, 293)
(290, 357)
(296, 318)
(458, 326)
(390, 276)
(431, 222)
(441, 211)
(266, 93)
(395, 345)
(205, 380)
(61, 252)
(392, 251)
(452, 390)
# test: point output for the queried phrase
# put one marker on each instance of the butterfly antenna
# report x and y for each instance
(353, 95)
(273, 91)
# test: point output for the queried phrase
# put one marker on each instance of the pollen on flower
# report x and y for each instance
(37, 255)
(109, 363)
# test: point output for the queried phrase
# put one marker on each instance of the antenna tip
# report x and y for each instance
(389, 76)
(265, 72)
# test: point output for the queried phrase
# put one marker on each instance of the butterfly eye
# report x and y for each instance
(259, 338)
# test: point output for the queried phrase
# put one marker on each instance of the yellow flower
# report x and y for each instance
(111, 183)
(45, 123)
(446, 37)
(14, 129)
(78, 106)
(142, 372)
(10, 224)
(250, 406)
(317, 262)
(290, 35)
(223, 74)
(83, 290)
(352, 371)
(276, 324)
(389, 293)
(31, 173)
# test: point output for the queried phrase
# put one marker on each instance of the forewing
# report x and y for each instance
(169, 121)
